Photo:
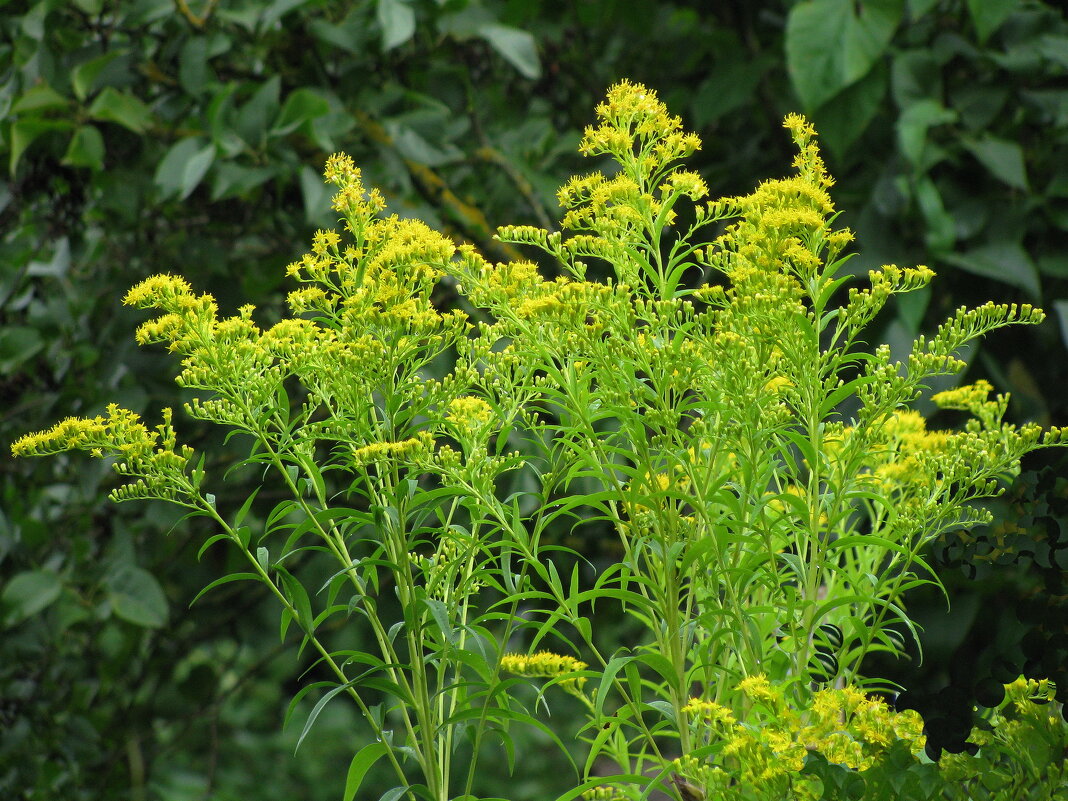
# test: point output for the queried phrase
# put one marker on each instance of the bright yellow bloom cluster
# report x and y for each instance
(407, 450)
(708, 713)
(469, 413)
(158, 466)
(546, 665)
(844, 725)
(636, 126)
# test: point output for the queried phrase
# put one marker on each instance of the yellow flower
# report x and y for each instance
(405, 449)
(546, 665)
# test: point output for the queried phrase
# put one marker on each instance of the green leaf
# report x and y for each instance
(917, 8)
(298, 597)
(441, 617)
(414, 147)
(316, 710)
(916, 75)
(831, 44)
(1003, 261)
(941, 234)
(235, 180)
(1004, 159)
(28, 593)
(361, 763)
(350, 34)
(122, 108)
(730, 85)
(1061, 307)
(39, 98)
(136, 596)
(276, 10)
(193, 70)
(301, 106)
(988, 15)
(25, 132)
(913, 125)
(83, 77)
(397, 21)
(226, 580)
(242, 513)
(516, 46)
(183, 167)
(316, 195)
(254, 117)
(18, 345)
(86, 149)
(843, 118)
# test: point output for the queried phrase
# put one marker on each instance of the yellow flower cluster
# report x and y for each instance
(844, 725)
(546, 665)
(121, 431)
(469, 413)
(635, 125)
(158, 466)
(910, 453)
(708, 713)
(408, 449)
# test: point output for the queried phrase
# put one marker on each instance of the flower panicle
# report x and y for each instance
(547, 665)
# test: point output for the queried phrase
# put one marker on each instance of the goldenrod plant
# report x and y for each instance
(711, 400)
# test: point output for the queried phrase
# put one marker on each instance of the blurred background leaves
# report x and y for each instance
(187, 136)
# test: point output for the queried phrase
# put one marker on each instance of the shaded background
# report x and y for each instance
(188, 136)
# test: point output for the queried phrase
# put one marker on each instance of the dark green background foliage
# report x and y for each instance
(145, 136)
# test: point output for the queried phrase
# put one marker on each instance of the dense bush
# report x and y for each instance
(151, 136)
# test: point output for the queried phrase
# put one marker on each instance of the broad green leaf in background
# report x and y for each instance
(135, 596)
(1004, 159)
(913, 125)
(916, 75)
(183, 167)
(1054, 48)
(349, 34)
(1062, 314)
(987, 15)
(516, 46)
(25, 131)
(254, 117)
(86, 149)
(1007, 262)
(232, 180)
(316, 195)
(397, 21)
(917, 8)
(730, 85)
(941, 233)
(301, 106)
(193, 70)
(845, 117)
(831, 44)
(274, 11)
(28, 593)
(415, 147)
(111, 105)
(39, 98)
(83, 77)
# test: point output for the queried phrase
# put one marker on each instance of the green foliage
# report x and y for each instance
(772, 491)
